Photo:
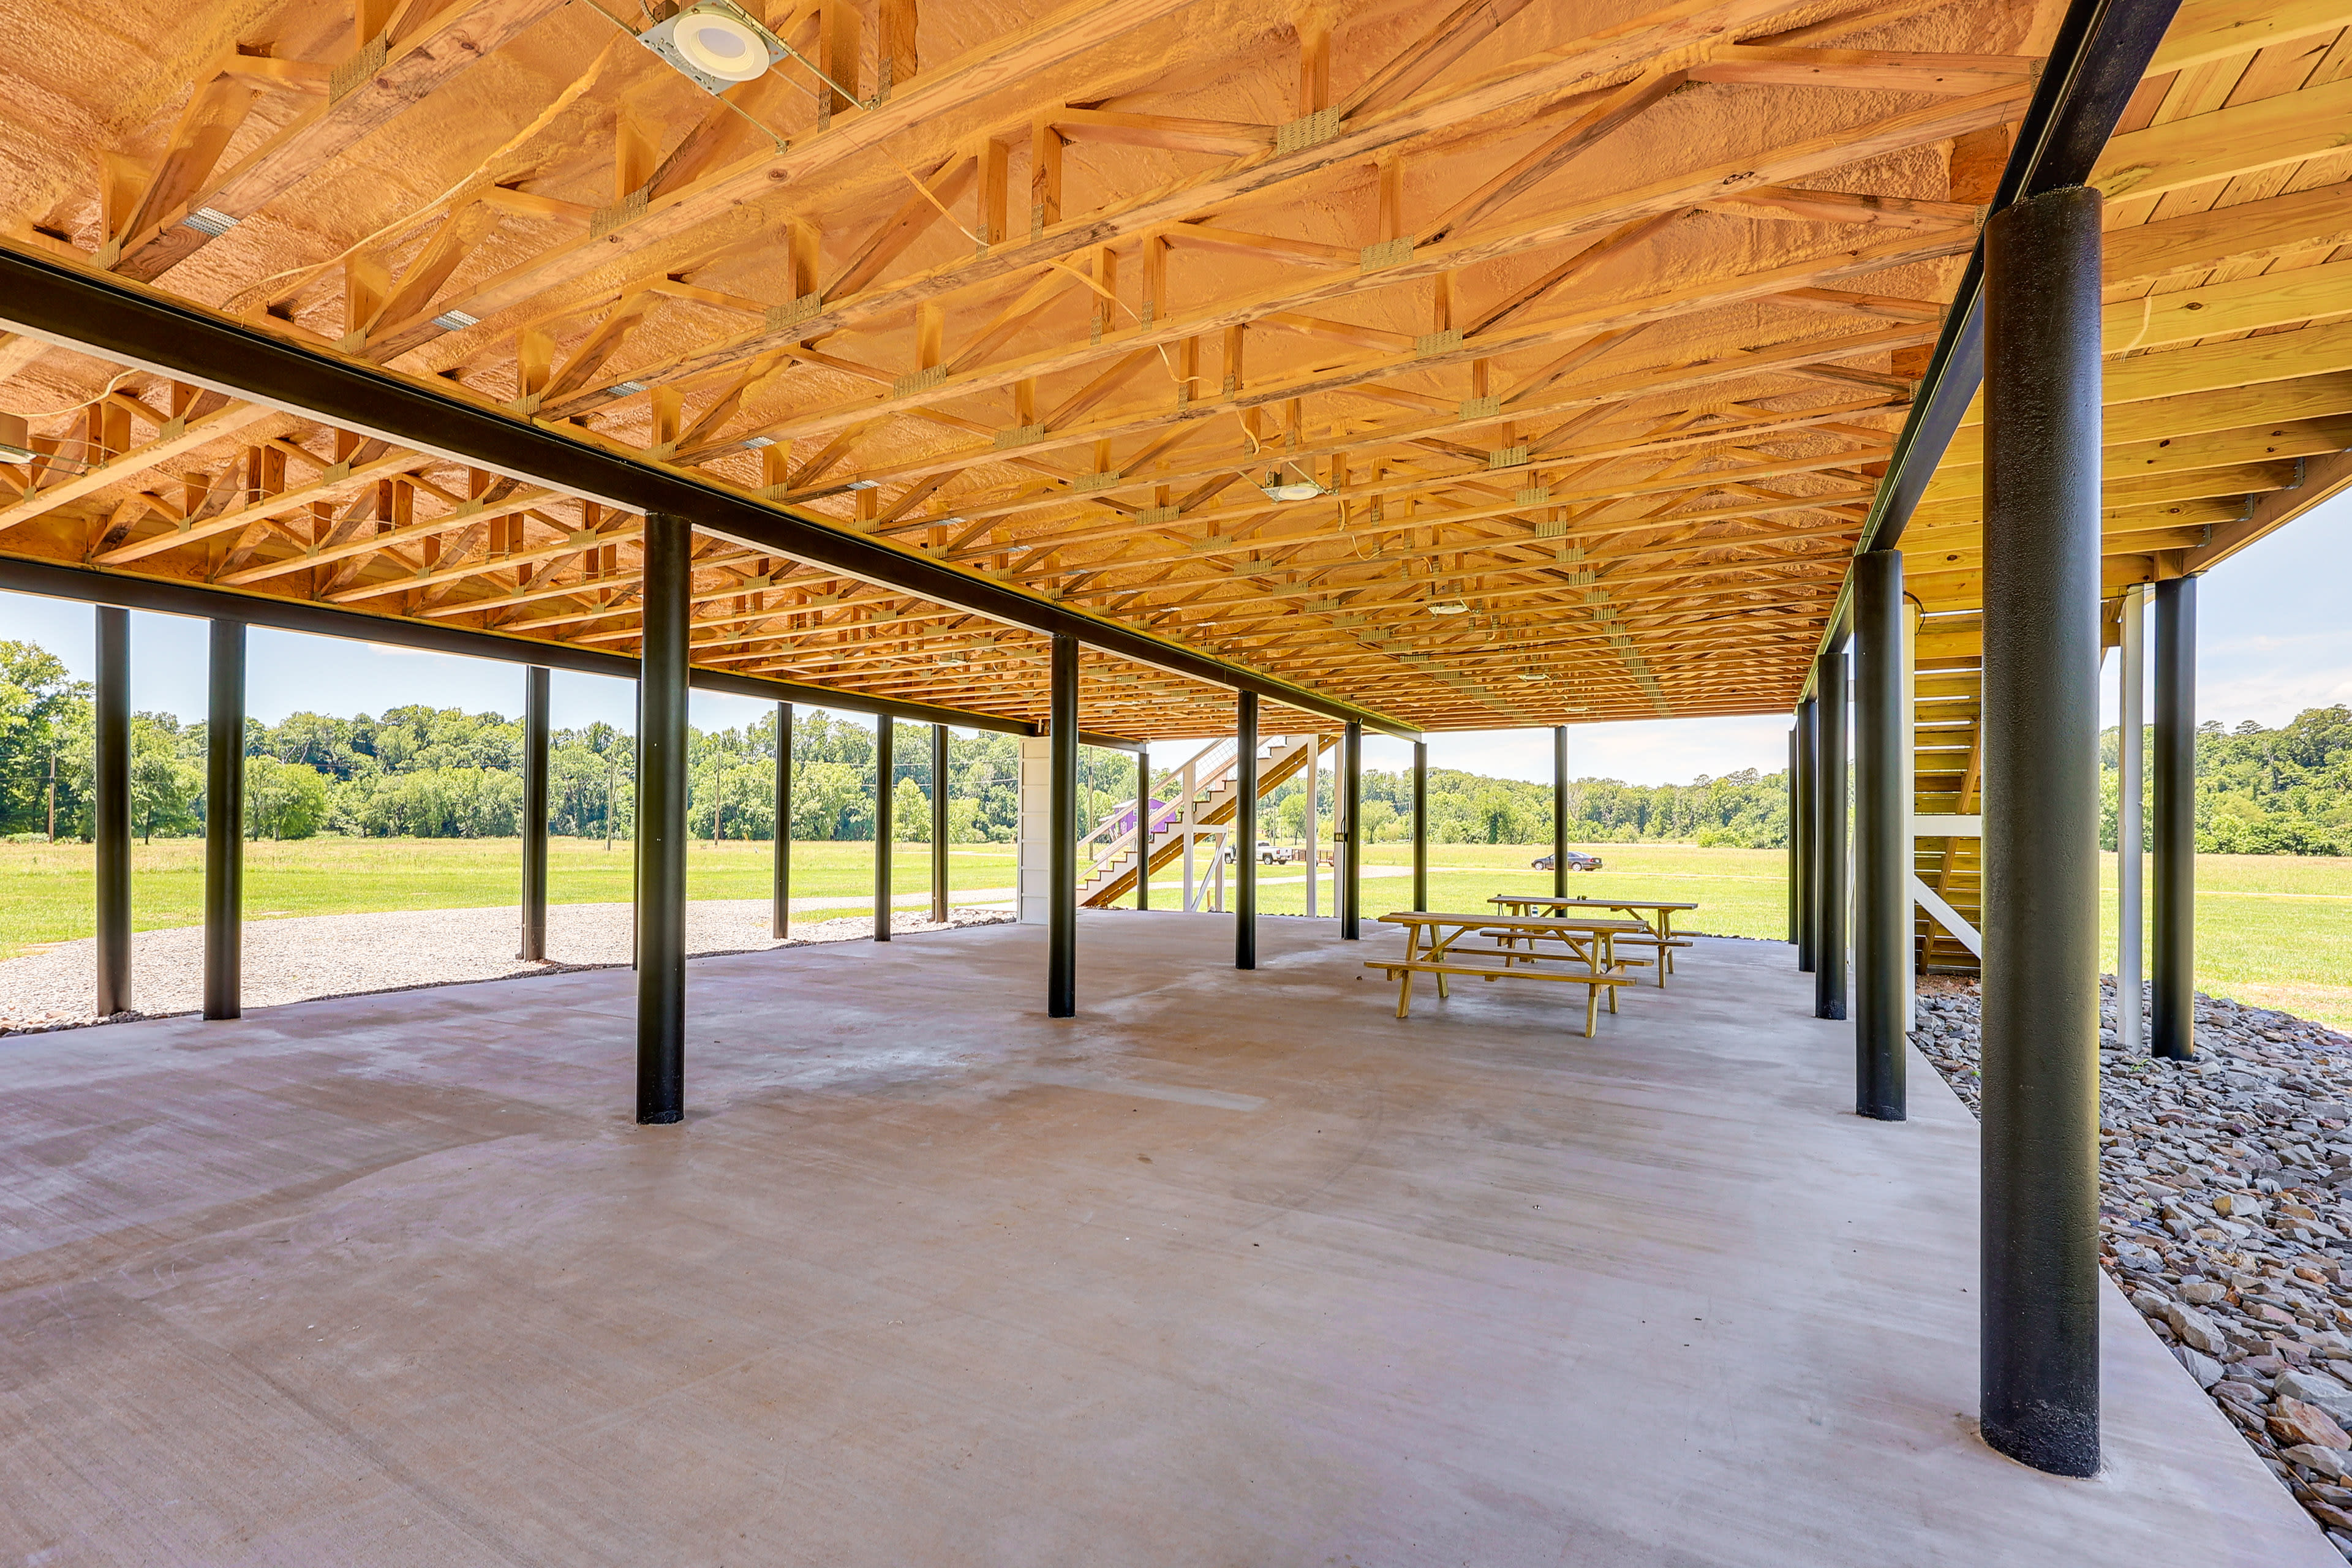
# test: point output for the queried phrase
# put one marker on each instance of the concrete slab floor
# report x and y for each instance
(1232, 1269)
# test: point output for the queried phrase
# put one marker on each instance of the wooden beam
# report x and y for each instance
(442, 44)
(2244, 140)
(2204, 31)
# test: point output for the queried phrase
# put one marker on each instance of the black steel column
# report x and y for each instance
(2172, 967)
(1246, 833)
(1882, 890)
(2040, 735)
(779, 914)
(939, 824)
(1796, 933)
(1143, 830)
(1802, 817)
(110, 810)
(661, 821)
(1421, 825)
(1829, 836)
(534, 813)
(885, 764)
(1351, 807)
(1062, 823)
(225, 823)
(1559, 815)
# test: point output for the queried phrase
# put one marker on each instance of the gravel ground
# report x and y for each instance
(2223, 1215)
(345, 955)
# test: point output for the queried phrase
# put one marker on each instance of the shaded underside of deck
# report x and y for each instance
(1230, 1268)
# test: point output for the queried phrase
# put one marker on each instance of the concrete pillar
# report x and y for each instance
(2040, 1396)
(1032, 834)
(111, 809)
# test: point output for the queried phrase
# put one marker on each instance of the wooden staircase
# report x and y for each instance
(1207, 783)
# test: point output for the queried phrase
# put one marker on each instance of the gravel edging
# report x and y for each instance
(2225, 1214)
(313, 957)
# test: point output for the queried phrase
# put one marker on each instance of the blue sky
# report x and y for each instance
(2274, 639)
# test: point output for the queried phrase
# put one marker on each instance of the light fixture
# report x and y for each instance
(1276, 488)
(715, 44)
(1449, 607)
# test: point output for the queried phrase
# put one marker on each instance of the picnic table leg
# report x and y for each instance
(1404, 992)
(1592, 1008)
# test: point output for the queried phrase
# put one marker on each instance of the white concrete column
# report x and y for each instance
(1033, 837)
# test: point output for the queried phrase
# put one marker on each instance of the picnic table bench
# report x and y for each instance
(1588, 955)
(1657, 915)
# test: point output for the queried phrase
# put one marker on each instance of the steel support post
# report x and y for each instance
(1143, 829)
(2131, 792)
(1062, 816)
(1245, 832)
(661, 822)
(1882, 884)
(939, 823)
(1830, 890)
(2040, 1205)
(1421, 825)
(224, 823)
(1796, 918)
(1805, 809)
(780, 898)
(111, 809)
(885, 763)
(1559, 815)
(2172, 1006)
(1348, 841)
(535, 682)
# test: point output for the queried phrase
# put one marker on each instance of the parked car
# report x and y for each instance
(1267, 853)
(1576, 861)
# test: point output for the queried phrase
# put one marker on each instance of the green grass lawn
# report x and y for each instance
(46, 896)
(2272, 929)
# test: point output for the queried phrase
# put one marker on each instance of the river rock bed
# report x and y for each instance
(2225, 1214)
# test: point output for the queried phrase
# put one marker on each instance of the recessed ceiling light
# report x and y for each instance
(715, 44)
(1276, 488)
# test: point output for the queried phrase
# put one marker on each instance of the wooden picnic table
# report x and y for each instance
(1588, 955)
(1657, 914)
